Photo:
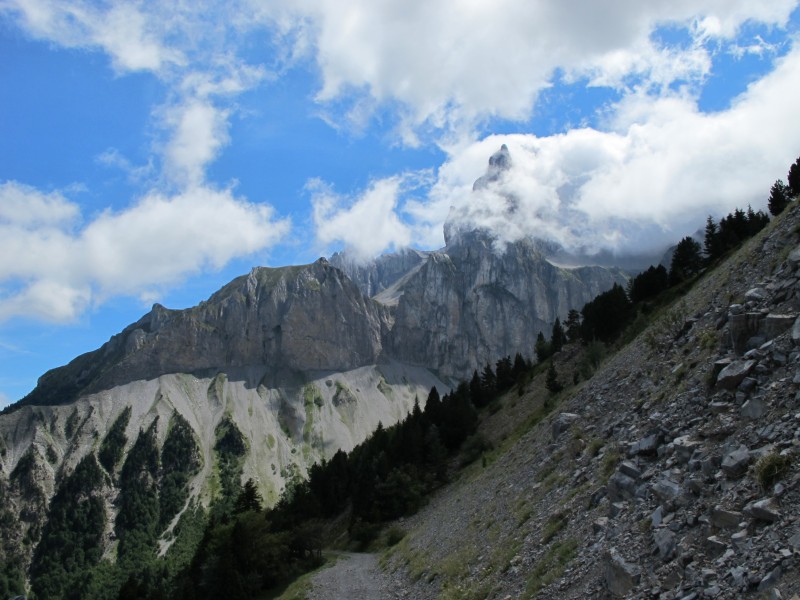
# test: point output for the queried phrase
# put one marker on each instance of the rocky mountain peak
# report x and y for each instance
(499, 163)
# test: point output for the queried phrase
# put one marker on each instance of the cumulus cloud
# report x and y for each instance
(53, 271)
(131, 39)
(367, 224)
(199, 131)
(655, 174)
(449, 68)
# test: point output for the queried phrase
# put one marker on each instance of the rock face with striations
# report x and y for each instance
(472, 304)
(290, 319)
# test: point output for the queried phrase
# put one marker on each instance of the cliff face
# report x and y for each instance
(473, 303)
(291, 319)
(376, 276)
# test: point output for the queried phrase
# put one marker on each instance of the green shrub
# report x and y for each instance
(394, 536)
(771, 468)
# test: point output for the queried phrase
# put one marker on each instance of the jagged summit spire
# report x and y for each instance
(499, 162)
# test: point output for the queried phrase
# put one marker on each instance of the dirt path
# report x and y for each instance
(353, 577)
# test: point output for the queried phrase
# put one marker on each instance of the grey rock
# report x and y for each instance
(754, 408)
(685, 447)
(796, 331)
(770, 580)
(755, 294)
(599, 525)
(743, 327)
(647, 446)
(715, 545)
(621, 487)
(620, 576)
(666, 490)
(775, 324)
(725, 519)
(794, 541)
(735, 463)
(764, 510)
(562, 423)
(665, 544)
(732, 375)
(631, 470)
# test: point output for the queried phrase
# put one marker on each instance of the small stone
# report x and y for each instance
(765, 510)
(715, 545)
(599, 525)
(665, 543)
(794, 541)
(647, 446)
(621, 487)
(630, 469)
(685, 447)
(753, 409)
(666, 490)
(657, 516)
(755, 294)
(734, 464)
(725, 519)
(738, 538)
(562, 423)
(771, 580)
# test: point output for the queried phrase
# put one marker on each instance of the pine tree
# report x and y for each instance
(249, 498)
(711, 242)
(557, 338)
(686, 260)
(778, 197)
(573, 324)
(542, 348)
(794, 179)
(551, 382)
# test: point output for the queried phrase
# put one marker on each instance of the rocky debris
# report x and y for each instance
(676, 504)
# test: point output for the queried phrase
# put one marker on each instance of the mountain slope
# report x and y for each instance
(666, 475)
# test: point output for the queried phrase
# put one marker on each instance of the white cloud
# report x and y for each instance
(4, 400)
(48, 271)
(366, 225)
(130, 37)
(199, 132)
(27, 206)
(653, 177)
(450, 66)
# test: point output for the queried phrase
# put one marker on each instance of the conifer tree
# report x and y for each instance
(557, 338)
(778, 197)
(794, 178)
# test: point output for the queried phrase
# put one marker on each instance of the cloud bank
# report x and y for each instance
(53, 267)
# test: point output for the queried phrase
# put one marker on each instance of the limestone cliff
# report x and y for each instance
(291, 319)
(472, 304)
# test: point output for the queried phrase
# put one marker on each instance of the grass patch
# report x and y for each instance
(771, 468)
(554, 524)
(551, 566)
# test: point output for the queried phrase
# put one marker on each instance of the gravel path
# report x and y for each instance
(353, 577)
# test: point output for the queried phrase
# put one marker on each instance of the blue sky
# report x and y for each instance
(150, 152)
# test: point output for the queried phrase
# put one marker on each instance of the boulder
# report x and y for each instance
(562, 423)
(732, 375)
(620, 576)
(735, 463)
